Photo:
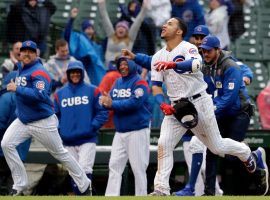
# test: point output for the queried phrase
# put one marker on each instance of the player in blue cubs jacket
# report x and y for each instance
(35, 118)
(32, 94)
(129, 100)
(80, 117)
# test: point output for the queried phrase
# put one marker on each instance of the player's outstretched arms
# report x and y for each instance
(192, 65)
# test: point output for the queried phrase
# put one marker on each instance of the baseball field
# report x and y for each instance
(137, 198)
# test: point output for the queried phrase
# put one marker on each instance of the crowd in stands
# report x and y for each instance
(137, 29)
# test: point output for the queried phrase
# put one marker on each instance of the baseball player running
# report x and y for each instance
(36, 119)
(194, 149)
(177, 65)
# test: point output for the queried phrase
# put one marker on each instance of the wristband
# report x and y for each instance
(159, 98)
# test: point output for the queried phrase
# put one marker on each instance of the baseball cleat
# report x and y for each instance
(260, 156)
(187, 191)
(219, 192)
(88, 191)
(16, 193)
(250, 164)
(157, 193)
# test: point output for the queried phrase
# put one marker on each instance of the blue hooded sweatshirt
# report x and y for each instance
(130, 101)
(78, 109)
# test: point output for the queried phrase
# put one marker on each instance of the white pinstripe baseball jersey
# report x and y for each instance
(179, 85)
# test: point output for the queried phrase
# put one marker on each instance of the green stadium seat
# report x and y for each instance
(248, 49)
(264, 3)
(268, 67)
(263, 23)
(260, 79)
(251, 25)
(255, 119)
(63, 11)
(266, 49)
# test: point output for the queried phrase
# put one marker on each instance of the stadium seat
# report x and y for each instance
(255, 122)
(251, 25)
(263, 23)
(63, 11)
(266, 49)
(264, 3)
(248, 49)
(260, 79)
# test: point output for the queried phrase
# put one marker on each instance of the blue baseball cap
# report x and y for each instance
(28, 44)
(201, 30)
(86, 23)
(210, 42)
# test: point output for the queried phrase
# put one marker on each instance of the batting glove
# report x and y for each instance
(164, 65)
(167, 109)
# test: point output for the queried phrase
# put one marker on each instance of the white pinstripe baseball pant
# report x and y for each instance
(85, 155)
(132, 146)
(45, 131)
(206, 130)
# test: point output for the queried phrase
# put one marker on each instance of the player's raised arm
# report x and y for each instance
(191, 61)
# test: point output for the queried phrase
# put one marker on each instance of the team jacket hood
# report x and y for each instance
(73, 65)
(132, 67)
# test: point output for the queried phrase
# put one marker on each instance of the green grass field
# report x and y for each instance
(136, 198)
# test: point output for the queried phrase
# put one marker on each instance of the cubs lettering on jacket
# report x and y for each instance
(121, 93)
(74, 101)
(21, 81)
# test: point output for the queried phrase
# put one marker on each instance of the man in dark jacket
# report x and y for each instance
(29, 20)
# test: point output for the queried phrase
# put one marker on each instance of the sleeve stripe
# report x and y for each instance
(142, 82)
(43, 74)
(96, 92)
(56, 98)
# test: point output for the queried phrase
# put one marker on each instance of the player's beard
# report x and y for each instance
(213, 60)
(209, 63)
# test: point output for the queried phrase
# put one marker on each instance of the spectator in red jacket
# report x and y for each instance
(105, 86)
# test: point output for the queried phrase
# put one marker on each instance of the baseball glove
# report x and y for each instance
(186, 113)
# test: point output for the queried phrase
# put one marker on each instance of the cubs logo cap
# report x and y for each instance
(201, 30)
(29, 45)
(210, 42)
